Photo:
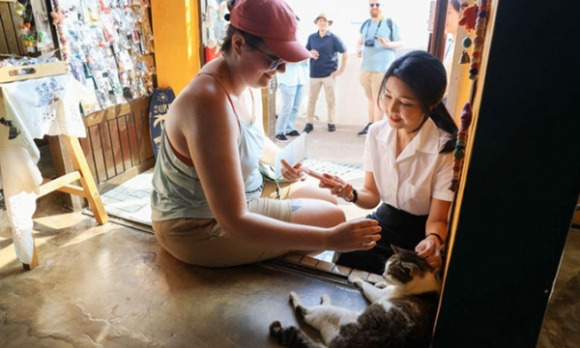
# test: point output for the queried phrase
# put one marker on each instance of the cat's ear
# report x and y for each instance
(396, 249)
(413, 268)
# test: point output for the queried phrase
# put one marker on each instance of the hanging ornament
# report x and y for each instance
(479, 39)
(58, 17)
(459, 152)
(464, 59)
(467, 20)
(466, 43)
(468, 17)
(20, 9)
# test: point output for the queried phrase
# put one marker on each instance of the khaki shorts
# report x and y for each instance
(202, 242)
(371, 83)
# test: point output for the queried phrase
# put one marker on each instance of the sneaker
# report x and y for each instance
(308, 128)
(365, 129)
(331, 127)
(293, 133)
(282, 137)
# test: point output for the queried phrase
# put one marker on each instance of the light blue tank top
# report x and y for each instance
(177, 191)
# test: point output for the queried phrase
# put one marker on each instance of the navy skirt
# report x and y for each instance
(399, 228)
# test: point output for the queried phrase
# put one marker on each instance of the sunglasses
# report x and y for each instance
(275, 62)
(375, 5)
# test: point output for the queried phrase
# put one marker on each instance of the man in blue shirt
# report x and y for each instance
(324, 47)
(379, 37)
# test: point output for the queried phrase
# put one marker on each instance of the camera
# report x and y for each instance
(370, 42)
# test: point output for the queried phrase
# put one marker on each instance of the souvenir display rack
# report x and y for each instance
(108, 46)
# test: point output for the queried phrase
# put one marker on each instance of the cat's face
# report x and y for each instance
(404, 265)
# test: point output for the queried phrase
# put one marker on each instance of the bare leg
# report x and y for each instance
(316, 213)
(305, 190)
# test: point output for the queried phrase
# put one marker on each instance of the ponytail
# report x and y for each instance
(445, 122)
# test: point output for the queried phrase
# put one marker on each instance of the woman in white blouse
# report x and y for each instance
(408, 164)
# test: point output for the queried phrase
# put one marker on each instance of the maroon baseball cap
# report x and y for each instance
(274, 22)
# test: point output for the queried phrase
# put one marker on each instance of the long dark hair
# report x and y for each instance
(425, 75)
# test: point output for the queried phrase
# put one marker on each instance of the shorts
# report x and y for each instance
(202, 242)
(371, 83)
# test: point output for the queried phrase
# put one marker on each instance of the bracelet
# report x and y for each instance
(354, 198)
(436, 235)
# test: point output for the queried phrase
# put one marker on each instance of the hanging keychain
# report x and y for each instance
(480, 27)
(58, 16)
(467, 20)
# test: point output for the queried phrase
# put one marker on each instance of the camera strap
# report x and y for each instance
(369, 26)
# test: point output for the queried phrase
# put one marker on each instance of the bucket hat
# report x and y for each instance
(323, 15)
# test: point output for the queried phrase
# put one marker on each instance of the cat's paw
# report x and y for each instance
(275, 329)
(381, 285)
(356, 281)
(325, 300)
(294, 299)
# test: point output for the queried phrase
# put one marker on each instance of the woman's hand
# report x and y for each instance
(428, 250)
(354, 235)
(340, 188)
(290, 173)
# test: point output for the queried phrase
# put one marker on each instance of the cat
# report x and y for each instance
(401, 312)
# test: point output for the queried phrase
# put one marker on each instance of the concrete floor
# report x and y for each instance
(113, 286)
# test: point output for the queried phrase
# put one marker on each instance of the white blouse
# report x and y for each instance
(420, 172)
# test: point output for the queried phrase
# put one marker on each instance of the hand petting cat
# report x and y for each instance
(427, 249)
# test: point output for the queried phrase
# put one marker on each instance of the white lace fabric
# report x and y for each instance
(31, 109)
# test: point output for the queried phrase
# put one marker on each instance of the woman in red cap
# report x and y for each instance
(210, 206)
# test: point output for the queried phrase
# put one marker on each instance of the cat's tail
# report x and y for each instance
(292, 337)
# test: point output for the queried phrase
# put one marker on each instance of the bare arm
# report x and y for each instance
(359, 44)
(437, 220)
(430, 247)
(368, 195)
(390, 44)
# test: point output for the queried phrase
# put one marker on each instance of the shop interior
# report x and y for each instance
(84, 269)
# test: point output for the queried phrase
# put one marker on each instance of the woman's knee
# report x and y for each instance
(317, 213)
(312, 192)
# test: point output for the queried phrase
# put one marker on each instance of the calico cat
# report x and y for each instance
(401, 314)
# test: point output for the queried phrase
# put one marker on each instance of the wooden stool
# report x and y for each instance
(88, 188)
